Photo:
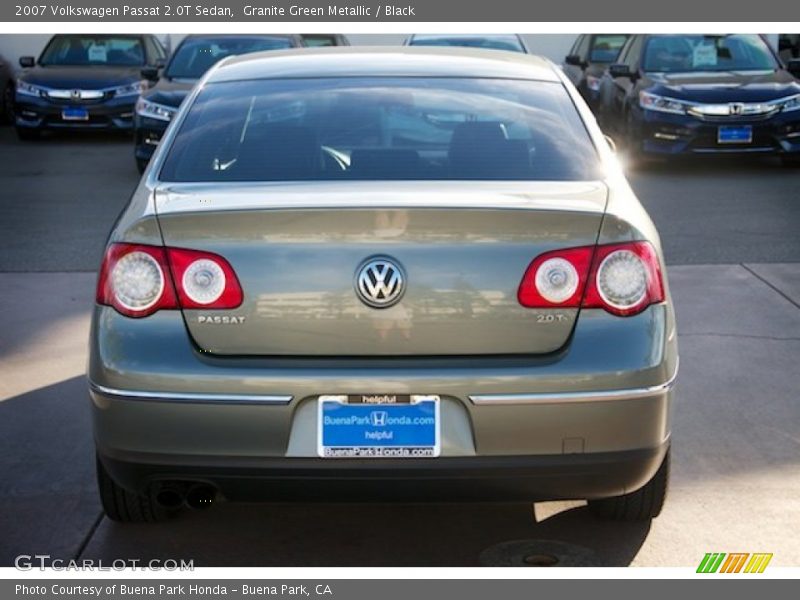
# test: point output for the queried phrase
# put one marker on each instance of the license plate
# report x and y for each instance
(75, 114)
(378, 426)
(735, 134)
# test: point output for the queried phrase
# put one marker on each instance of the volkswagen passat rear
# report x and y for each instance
(399, 273)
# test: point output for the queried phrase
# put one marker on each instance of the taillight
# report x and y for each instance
(204, 280)
(135, 280)
(556, 279)
(623, 279)
(138, 280)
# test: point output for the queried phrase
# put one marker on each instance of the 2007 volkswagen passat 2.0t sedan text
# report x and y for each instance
(403, 273)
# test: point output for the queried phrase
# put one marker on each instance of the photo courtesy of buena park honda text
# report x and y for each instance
(429, 299)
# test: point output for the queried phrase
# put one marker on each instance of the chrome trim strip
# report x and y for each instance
(574, 397)
(190, 397)
(82, 94)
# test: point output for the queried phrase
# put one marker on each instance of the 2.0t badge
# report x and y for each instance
(380, 282)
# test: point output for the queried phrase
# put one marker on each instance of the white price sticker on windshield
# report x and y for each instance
(97, 53)
(704, 55)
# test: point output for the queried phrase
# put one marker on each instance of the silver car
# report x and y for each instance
(394, 273)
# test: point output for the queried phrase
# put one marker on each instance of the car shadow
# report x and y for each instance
(82, 137)
(372, 535)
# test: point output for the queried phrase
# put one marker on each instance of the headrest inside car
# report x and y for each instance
(272, 152)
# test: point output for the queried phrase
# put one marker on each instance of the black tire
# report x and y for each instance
(123, 506)
(8, 104)
(141, 165)
(27, 134)
(791, 161)
(642, 505)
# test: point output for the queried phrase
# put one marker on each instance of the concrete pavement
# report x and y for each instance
(736, 475)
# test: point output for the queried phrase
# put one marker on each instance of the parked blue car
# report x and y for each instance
(703, 94)
(84, 82)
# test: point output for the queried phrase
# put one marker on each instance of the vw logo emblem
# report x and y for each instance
(380, 282)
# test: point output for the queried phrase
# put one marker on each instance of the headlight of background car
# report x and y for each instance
(132, 89)
(153, 110)
(27, 89)
(789, 104)
(650, 101)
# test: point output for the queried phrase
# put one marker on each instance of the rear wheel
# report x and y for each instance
(642, 505)
(123, 506)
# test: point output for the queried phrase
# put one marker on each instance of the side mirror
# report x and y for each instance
(150, 73)
(619, 70)
(793, 66)
(575, 61)
(27, 61)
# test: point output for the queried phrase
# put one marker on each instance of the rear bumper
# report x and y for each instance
(496, 478)
(590, 421)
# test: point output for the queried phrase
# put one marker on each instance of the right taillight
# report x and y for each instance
(622, 279)
(138, 280)
(625, 278)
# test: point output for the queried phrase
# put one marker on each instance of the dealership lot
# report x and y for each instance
(730, 234)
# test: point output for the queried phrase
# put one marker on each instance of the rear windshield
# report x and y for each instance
(508, 43)
(381, 128)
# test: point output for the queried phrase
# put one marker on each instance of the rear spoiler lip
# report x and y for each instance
(572, 196)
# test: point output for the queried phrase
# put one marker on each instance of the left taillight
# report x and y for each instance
(138, 280)
(204, 280)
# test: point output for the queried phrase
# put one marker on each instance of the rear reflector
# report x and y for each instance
(204, 280)
(138, 280)
(622, 279)
(556, 278)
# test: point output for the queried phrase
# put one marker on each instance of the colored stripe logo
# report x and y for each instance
(734, 562)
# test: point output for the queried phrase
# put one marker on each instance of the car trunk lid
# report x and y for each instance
(463, 248)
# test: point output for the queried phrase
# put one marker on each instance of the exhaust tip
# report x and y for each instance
(169, 497)
(200, 496)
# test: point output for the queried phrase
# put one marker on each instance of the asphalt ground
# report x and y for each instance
(730, 232)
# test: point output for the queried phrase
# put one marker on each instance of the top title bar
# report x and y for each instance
(469, 11)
